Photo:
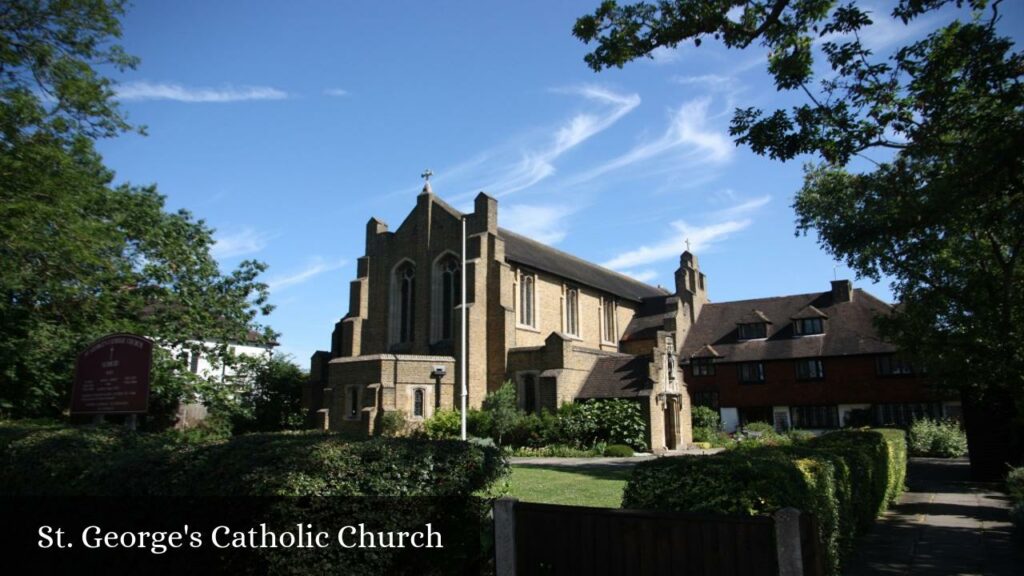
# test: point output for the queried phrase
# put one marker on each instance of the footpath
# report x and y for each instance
(944, 524)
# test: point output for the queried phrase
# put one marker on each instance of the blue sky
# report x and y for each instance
(286, 126)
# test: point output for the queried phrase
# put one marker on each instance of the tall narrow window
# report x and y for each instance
(446, 297)
(353, 402)
(572, 312)
(526, 300)
(751, 372)
(404, 302)
(608, 315)
(417, 403)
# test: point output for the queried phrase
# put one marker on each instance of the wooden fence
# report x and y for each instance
(552, 539)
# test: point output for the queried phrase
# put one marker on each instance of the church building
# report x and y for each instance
(552, 323)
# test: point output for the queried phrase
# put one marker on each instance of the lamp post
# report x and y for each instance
(462, 309)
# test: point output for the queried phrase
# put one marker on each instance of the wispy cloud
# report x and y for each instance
(641, 275)
(547, 224)
(537, 164)
(240, 243)
(700, 238)
(722, 224)
(316, 267)
(166, 91)
(688, 131)
(335, 92)
(664, 55)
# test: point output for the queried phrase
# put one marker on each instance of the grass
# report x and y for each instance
(599, 486)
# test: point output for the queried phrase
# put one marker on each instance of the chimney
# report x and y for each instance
(842, 291)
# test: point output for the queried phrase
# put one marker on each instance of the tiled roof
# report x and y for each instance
(753, 316)
(648, 319)
(533, 254)
(809, 311)
(617, 377)
(849, 329)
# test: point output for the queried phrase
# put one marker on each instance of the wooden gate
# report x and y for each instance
(551, 539)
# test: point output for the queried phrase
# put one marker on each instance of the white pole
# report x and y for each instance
(462, 359)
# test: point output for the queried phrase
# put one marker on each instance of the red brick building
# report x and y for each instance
(809, 361)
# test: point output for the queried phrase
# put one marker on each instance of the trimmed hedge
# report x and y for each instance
(845, 479)
(110, 462)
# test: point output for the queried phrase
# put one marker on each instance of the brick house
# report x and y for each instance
(546, 320)
(811, 361)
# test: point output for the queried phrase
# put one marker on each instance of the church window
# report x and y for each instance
(446, 297)
(417, 403)
(608, 320)
(527, 300)
(572, 312)
(353, 402)
(403, 303)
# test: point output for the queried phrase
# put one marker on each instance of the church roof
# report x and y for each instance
(617, 377)
(523, 250)
(850, 328)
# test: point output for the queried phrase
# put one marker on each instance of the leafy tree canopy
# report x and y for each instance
(80, 257)
(918, 173)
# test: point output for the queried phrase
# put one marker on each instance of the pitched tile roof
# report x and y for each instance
(849, 329)
(649, 318)
(617, 377)
(523, 250)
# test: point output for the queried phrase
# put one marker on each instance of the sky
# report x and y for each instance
(287, 125)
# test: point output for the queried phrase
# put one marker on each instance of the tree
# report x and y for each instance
(919, 171)
(503, 410)
(79, 257)
(272, 395)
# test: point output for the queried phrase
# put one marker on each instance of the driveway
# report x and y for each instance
(944, 524)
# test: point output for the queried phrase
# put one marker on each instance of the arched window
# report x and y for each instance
(572, 312)
(526, 300)
(446, 296)
(417, 403)
(403, 303)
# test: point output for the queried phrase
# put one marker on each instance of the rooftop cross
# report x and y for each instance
(687, 244)
(426, 175)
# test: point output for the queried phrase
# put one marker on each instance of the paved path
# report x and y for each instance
(944, 524)
(614, 462)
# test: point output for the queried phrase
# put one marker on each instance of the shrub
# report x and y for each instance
(704, 417)
(618, 451)
(615, 421)
(938, 438)
(502, 410)
(443, 425)
(1015, 484)
(392, 423)
(844, 478)
(554, 451)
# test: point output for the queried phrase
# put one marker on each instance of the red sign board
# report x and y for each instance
(112, 376)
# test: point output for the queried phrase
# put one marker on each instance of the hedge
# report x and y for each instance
(280, 478)
(844, 478)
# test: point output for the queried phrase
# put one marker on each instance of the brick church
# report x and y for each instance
(563, 329)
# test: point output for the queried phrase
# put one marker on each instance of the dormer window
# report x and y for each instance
(808, 326)
(752, 331)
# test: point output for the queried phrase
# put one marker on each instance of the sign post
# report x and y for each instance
(112, 377)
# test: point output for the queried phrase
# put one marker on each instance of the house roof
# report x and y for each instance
(523, 250)
(850, 329)
(809, 311)
(753, 316)
(617, 377)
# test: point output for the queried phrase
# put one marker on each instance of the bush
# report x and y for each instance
(937, 438)
(704, 417)
(618, 451)
(614, 421)
(554, 451)
(443, 425)
(1015, 484)
(392, 424)
(503, 411)
(844, 478)
(317, 478)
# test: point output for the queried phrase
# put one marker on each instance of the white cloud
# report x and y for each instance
(687, 131)
(641, 275)
(743, 208)
(245, 241)
(700, 237)
(164, 91)
(336, 92)
(545, 224)
(710, 81)
(316, 267)
(664, 55)
(537, 164)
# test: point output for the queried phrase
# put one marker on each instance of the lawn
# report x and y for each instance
(582, 486)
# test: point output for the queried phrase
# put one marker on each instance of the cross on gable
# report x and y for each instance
(426, 175)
